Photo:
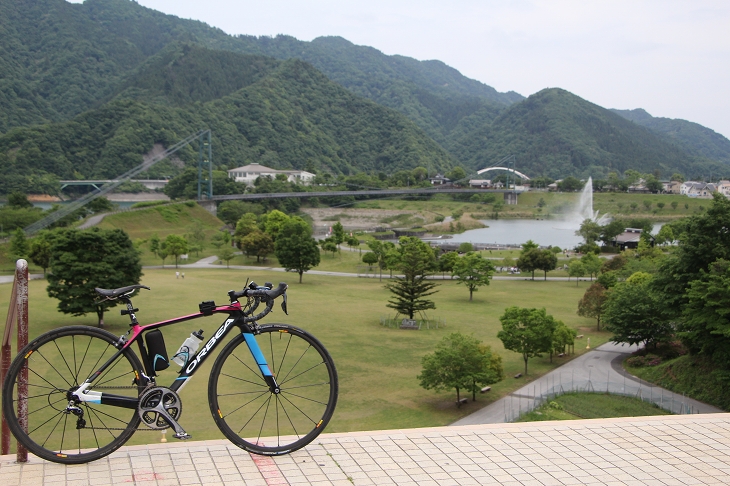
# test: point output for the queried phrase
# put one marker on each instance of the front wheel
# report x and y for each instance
(255, 418)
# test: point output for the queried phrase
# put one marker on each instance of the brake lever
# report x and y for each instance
(283, 304)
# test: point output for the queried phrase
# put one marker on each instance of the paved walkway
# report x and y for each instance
(666, 450)
(597, 370)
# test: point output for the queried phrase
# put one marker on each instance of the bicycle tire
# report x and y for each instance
(58, 361)
(254, 418)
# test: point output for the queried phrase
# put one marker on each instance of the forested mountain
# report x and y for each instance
(556, 133)
(91, 45)
(286, 114)
(692, 137)
(86, 89)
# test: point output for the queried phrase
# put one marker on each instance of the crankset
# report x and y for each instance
(160, 408)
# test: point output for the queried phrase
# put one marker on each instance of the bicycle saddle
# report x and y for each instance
(114, 293)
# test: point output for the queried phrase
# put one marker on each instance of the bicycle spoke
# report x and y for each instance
(252, 400)
(60, 353)
(300, 374)
(262, 385)
(295, 364)
(38, 351)
(305, 398)
(263, 420)
(91, 421)
(254, 414)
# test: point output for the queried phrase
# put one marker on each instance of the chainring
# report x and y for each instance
(149, 406)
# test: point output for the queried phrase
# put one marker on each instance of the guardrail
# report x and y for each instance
(17, 312)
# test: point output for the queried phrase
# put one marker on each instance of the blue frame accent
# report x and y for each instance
(253, 346)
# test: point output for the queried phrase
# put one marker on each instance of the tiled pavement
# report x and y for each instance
(679, 449)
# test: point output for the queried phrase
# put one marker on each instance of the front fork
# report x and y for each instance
(253, 346)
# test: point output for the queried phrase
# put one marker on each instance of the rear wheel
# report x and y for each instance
(57, 363)
(259, 420)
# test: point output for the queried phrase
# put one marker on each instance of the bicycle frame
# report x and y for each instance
(237, 318)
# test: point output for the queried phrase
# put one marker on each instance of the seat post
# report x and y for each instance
(129, 311)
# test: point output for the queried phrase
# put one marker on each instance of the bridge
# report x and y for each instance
(97, 183)
(503, 168)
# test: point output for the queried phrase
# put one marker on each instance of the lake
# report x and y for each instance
(544, 232)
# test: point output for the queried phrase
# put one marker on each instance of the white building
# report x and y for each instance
(249, 173)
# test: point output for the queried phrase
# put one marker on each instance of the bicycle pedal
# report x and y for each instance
(183, 436)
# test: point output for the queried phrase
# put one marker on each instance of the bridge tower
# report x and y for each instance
(205, 166)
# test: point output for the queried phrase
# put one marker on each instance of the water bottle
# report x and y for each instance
(188, 348)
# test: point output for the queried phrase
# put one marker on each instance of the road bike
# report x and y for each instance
(272, 389)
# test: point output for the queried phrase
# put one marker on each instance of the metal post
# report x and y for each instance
(17, 311)
(21, 279)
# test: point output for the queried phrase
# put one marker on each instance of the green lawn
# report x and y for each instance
(574, 406)
(377, 366)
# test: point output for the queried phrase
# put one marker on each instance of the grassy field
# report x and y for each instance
(377, 366)
(574, 406)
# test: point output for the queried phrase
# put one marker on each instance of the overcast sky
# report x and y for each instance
(670, 57)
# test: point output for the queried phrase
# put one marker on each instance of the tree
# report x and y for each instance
(154, 242)
(83, 260)
(380, 249)
(706, 322)
(570, 184)
(456, 175)
(245, 225)
(665, 235)
(227, 254)
(447, 261)
(576, 269)
(465, 247)
(338, 233)
(162, 253)
(231, 211)
(529, 245)
(527, 331)
(473, 271)
(176, 245)
(273, 222)
(295, 248)
(40, 250)
(197, 234)
(563, 337)
(353, 242)
(460, 362)
(257, 243)
(591, 304)
(591, 263)
(590, 231)
(674, 204)
(19, 244)
(530, 260)
(370, 258)
(704, 239)
(329, 245)
(635, 314)
(19, 200)
(416, 262)
(547, 261)
(221, 238)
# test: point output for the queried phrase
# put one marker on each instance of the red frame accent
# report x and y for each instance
(137, 330)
